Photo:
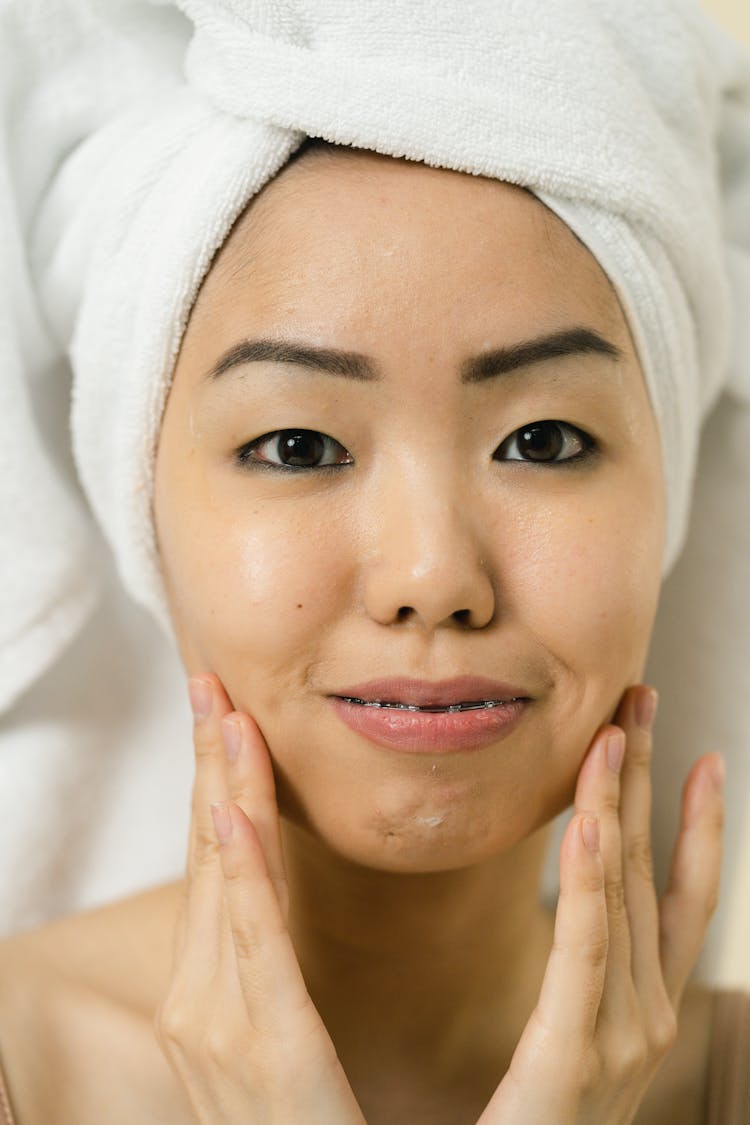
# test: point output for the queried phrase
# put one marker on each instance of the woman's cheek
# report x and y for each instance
(589, 594)
(267, 584)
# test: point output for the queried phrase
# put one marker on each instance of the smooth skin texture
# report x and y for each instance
(401, 933)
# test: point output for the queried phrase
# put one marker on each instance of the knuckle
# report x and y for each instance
(639, 752)
(216, 1044)
(204, 740)
(639, 856)
(592, 884)
(205, 850)
(245, 943)
(717, 818)
(597, 951)
(171, 1022)
(663, 1031)
(615, 892)
(610, 800)
(632, 1055)
(594, 952)
(235, 875)
(700, 903)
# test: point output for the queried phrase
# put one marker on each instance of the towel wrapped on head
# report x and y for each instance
(643, 151)
(140, 132)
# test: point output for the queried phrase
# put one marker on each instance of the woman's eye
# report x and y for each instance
(545, 442)
(294, 449)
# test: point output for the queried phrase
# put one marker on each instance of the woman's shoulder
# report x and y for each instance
(76, 1019)
(77, 998)
(41, 1012)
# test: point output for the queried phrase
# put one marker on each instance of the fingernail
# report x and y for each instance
(232, 732)
(222, 821)
(645, 708)
(615, 750)
(590, 829)
(718, 772)
(200, 698)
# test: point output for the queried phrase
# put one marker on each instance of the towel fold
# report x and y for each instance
(66, 69)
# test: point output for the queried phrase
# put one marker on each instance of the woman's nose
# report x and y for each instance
(427, 560)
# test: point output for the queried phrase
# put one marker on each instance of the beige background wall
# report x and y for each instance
(735, 14)
(734, 966)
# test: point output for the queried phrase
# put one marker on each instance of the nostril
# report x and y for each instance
(463, 616)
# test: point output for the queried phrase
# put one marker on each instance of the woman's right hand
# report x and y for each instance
(237, 1024)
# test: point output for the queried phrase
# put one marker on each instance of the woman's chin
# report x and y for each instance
(428, 841)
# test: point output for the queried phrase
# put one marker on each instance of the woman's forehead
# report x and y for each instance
(340, 233)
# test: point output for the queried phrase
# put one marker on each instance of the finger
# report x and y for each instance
(203, 890)
(693, 888)
(636, 715)
(574, 978)
(598, 789)
(269, 974)
(252, 787)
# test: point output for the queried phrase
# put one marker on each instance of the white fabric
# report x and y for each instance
(133, 133)
(500, 93)
(96, 768)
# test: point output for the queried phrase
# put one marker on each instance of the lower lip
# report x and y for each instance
(436, 732)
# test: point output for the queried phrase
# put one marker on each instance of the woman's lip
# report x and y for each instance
(424, 693)
(437, 732)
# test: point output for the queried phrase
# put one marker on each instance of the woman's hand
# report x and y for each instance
(607, 1012)
(237, 1024)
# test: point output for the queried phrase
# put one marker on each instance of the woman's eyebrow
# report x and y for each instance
(475, 369)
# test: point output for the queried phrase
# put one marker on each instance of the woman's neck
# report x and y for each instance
(445, 965)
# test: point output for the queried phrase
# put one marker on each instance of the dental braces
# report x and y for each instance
(478, 705)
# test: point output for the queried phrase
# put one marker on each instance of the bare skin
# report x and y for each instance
(413, 879)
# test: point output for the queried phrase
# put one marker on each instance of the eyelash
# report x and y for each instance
(244, 455)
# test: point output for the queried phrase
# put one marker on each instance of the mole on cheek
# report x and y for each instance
(299, 605)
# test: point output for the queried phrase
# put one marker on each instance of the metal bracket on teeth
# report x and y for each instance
(484, 704)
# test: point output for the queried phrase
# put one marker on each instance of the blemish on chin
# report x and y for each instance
(299, 605)
(430, 821)
(383, 829)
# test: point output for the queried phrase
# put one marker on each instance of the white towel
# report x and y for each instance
(128, 228)
(145, 170)
(65, 70)
(137, 132)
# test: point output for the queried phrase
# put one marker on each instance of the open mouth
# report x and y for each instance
(451, 708)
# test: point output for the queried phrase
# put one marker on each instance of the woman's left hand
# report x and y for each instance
(607, 1011)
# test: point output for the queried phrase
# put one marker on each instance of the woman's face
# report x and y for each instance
(426, 536)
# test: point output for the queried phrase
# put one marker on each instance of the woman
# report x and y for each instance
(409, 464)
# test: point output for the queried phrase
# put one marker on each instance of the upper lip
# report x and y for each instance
(426, 693)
